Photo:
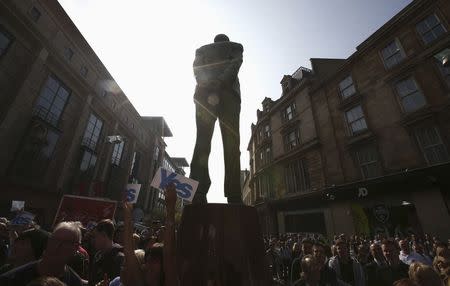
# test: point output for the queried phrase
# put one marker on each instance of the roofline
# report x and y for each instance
(73, 34)
(380, 32)
(165, 125)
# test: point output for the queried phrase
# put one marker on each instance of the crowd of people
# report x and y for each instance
(106, 254)
(302, 259)
(102, 255)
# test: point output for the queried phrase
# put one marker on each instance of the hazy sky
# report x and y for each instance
(149, 47)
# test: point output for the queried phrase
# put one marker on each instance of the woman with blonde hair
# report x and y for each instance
(424, 275)
(442, 267)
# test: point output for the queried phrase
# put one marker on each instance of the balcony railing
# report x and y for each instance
(46, 115)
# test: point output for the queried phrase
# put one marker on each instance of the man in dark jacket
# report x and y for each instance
(296, 268)
(377, 262)
(327, 274)
(394, 269)
(109, 256)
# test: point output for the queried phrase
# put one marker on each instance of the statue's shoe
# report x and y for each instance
(199, 200)
(235, 200)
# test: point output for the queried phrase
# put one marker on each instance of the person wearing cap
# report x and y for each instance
(27, 247)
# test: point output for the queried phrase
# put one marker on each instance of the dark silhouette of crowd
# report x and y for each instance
(109, 254)
(309, 259)
(104, 254)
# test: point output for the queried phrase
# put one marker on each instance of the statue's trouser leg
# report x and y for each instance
(205, 120)
(229, 126)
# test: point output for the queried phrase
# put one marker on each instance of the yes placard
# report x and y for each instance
(132, 193)
(185, 187)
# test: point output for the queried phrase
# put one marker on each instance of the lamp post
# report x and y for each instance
(111, 139)
(443, 57)
(115, 139)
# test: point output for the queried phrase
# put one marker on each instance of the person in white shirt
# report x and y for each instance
(405, 252)
(420, 255)
(408, 257)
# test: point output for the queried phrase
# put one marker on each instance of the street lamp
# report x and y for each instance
(443, 57)
(114, 139)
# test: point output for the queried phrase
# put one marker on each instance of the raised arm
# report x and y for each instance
(132, 273)
(232, 64)
(169, 251)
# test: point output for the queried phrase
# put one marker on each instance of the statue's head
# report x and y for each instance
(221, 38)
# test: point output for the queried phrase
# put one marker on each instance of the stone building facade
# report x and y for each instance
(58, 108)
(361, 145)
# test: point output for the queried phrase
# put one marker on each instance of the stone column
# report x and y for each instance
(342, 217)
(74, 148)
(13, 125)
(432, 212)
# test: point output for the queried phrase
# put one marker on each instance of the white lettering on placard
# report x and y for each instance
(185, 187)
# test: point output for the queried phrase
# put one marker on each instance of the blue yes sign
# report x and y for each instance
(185, 187)
(132, 193)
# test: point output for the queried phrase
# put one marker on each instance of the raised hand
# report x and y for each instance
(171, 196)
(104, 282)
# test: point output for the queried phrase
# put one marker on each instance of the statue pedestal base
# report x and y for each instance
(221, 245)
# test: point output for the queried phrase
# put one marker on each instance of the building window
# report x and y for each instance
(134, 172)
(68, 54)
(410, 96)
(92, 132)
(261, 157)
(445, 71)
(117, 153)
(289, 112)
(431, 144)
(430, 29)
(392, 54)
(52, 100)
(156, 154)
(297, 177)
(268, 155)
(35, 14)
(265, 155)
(266, 107)
(260, 136)
(5, 41)
(264, 186)
(267, 131)
(161, 195)
(292, 139)
(368, 162)
(355, 120)
(347, 87)
(52, 139)
(88, 162)
(84, 71)
(35, 153)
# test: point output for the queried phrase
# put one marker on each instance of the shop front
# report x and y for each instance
(398, 204)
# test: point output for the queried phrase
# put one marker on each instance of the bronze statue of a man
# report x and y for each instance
(217, 95)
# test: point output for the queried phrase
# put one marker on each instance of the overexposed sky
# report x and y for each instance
(149, 46)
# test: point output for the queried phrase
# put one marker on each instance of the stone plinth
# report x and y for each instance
(220, 244)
